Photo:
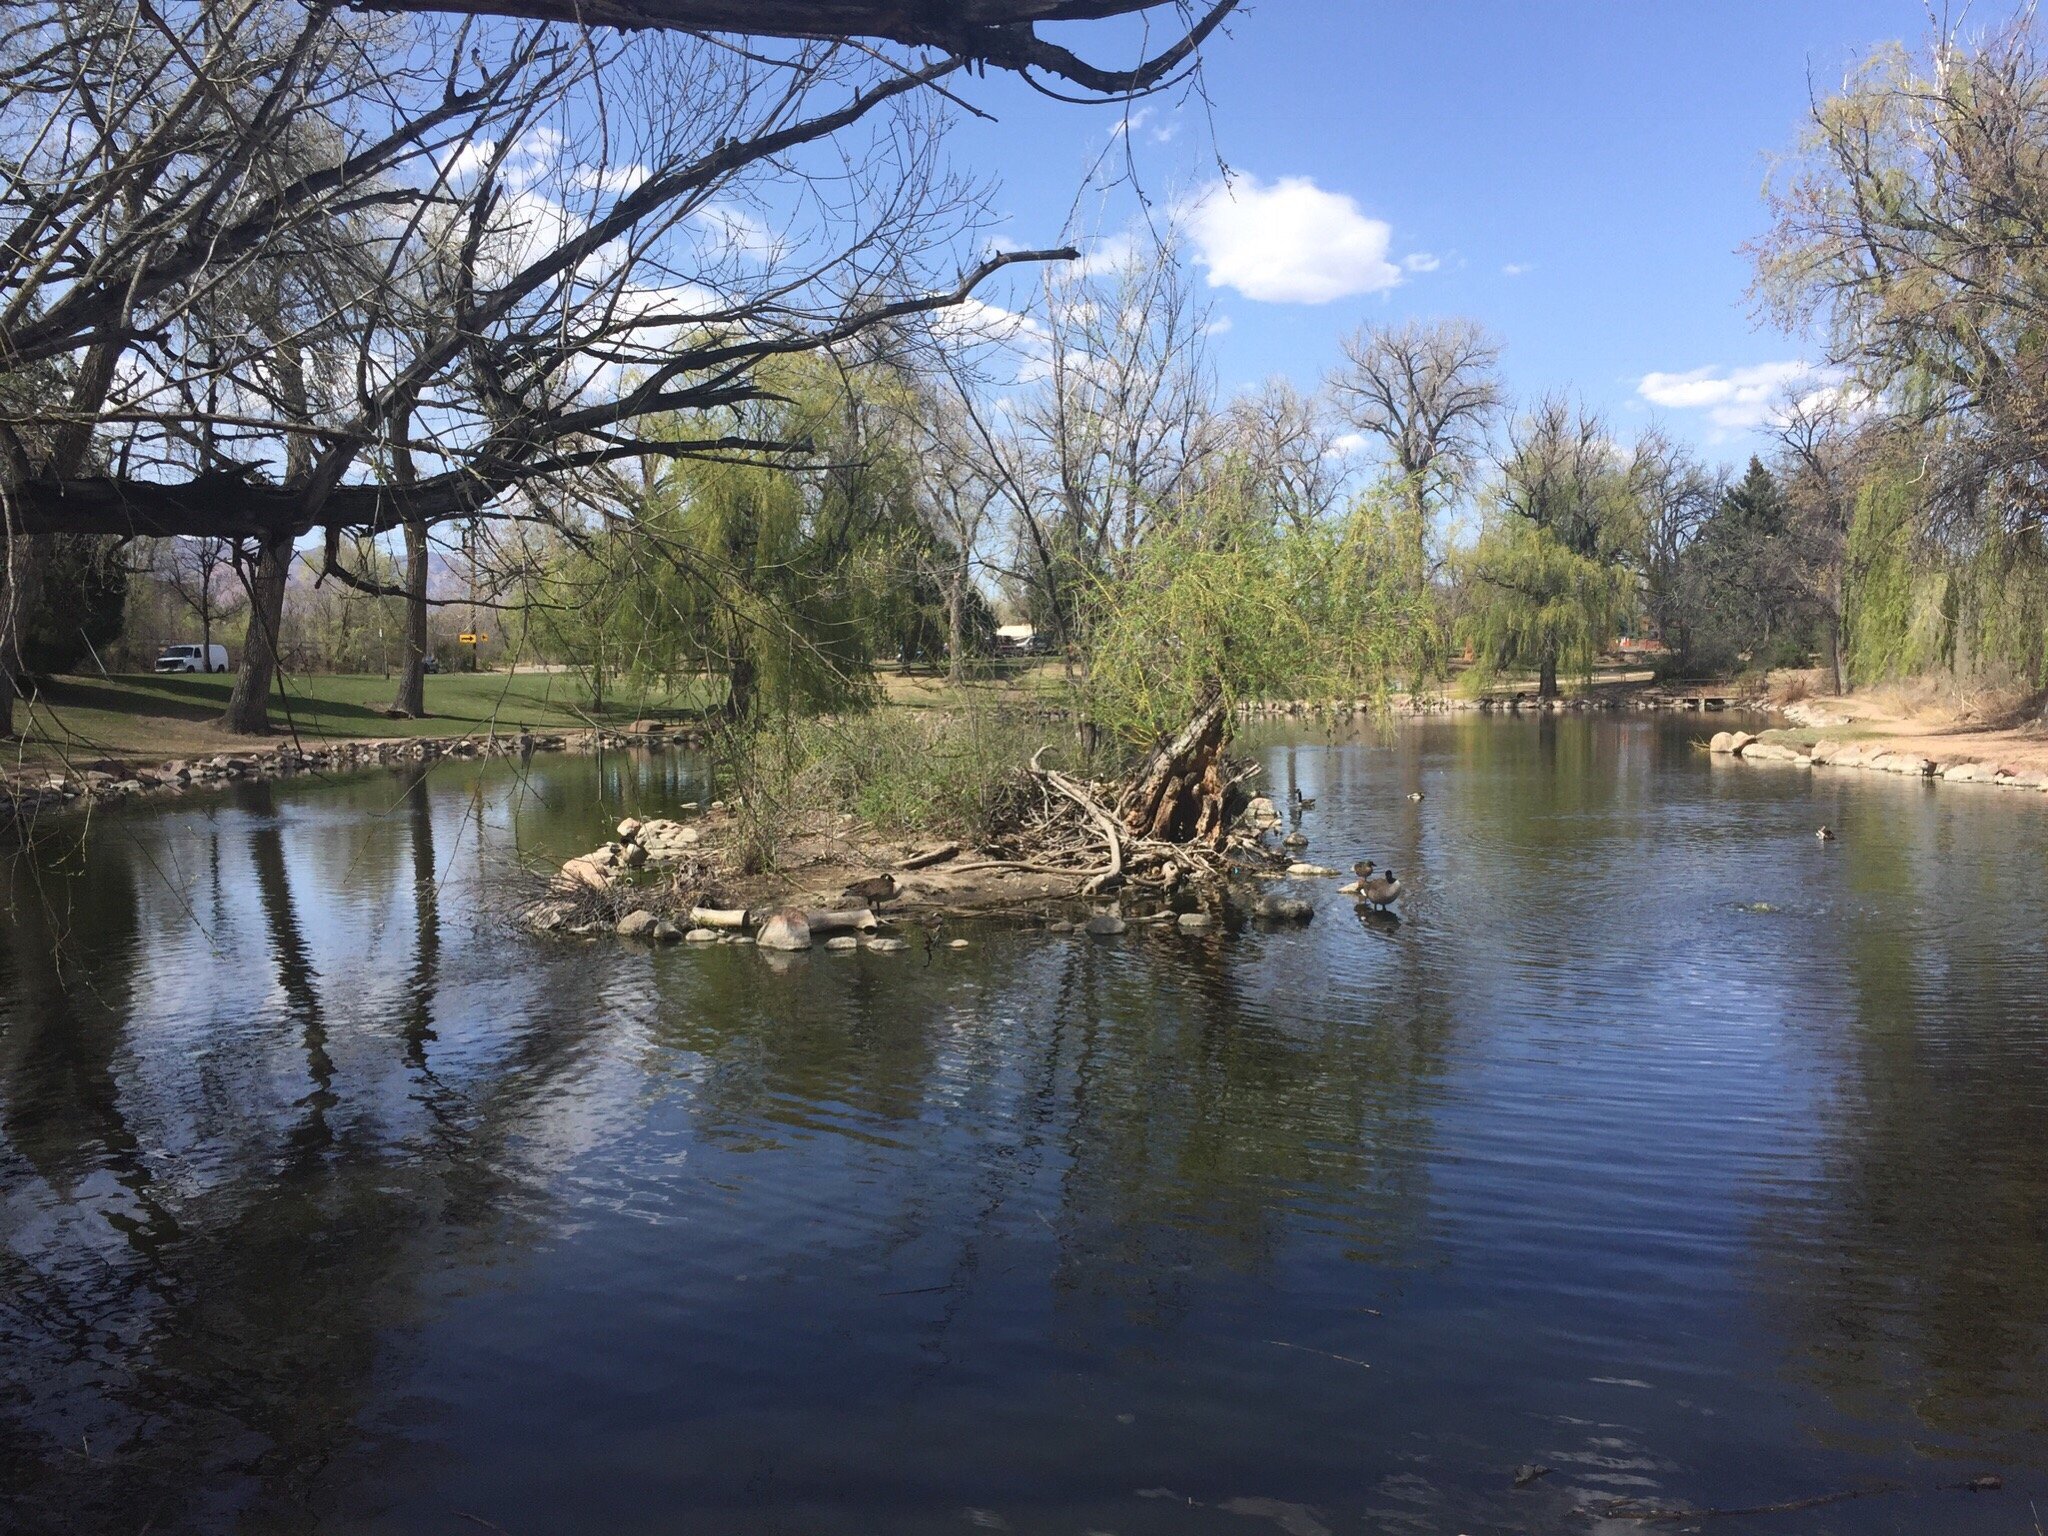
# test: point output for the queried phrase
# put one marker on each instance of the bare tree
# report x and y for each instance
(200, 573)
(404, 268)
(1429, 392)
(1288, 449)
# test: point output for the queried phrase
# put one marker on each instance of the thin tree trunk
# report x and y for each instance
(739, 689)
(248, 712)
(412, 682)
(1546, 686)
(20, 586)
(956, 628)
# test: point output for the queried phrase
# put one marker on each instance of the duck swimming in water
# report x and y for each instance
(1300, 801)
(1826, 834)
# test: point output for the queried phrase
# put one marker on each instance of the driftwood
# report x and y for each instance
(718, 917)
(1184, 794)
(934, 856)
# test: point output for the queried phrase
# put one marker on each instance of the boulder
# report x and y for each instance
(1308, 871)
(1738, 741)
(842, 943)
(888, 945)
(628, 830)
(957, 944)
(701, 936)
(1105, 925)
(1723, 742)
(666, 932)
(786, 929)
(1910, 764)
(1195, 922)
(584, 873)
(1772, 752)
(1283, 909)
(1294, 840)
(1969, 773)
(638, 925)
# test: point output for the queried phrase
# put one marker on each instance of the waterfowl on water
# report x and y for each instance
(1363, 869)
(1381, 891)
(1826, 834)
(1417, 795)
(873, 892)
(1300, 801)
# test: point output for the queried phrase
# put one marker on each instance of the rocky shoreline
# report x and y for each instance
(1877, 756)
(27, 791)
(1710, 698)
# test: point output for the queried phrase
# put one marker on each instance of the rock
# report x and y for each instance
(1105, 925)
(1772, 752)
(585, 873)
(647, 728)
(637, 925)
(1739, 742)
(957, 944)
(1308, 871)
(666, 932)
(1723, 742)
(842, 943)
(1284, 909)
(1262, 811)
(1910, 764)
(1059, 927)
(1294, 840)
(1195, 922)
(701, 936)
(1969, 773)
(628, 830)
(886, 945)
(547, 916)
(787, 928)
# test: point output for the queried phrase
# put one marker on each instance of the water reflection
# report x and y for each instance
(1654, 1143)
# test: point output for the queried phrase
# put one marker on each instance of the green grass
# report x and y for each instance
(145, 716)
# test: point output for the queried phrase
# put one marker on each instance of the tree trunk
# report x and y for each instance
(956, 628)
(1546, 686)
(20, 586)
(412, 682)
(1180, 795)
(248, 712)
(739, 689)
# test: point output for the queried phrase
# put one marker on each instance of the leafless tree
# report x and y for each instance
(1288, 447)
(1429, 393)
(200, 573)
(403, 268)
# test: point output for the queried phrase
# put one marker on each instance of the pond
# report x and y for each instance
(1659, 1144)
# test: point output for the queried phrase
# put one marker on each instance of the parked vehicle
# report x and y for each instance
(192, 658)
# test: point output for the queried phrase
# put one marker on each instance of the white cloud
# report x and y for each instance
(1421, 261)
(1514, 269)
(1345, 444)
(1738, 399)
(1222, 325)
(1290, 242)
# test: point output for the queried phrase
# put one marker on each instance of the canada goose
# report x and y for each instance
(1382, 891)
(1300, 801)
(1826, 834)
(873, 892)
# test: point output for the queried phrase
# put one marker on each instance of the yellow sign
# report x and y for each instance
(469, 639)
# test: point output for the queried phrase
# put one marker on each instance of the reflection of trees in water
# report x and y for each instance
(1916, 1271)
(1164, 1125)
(210, 1319)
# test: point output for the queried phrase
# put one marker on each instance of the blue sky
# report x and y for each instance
(1582, 175)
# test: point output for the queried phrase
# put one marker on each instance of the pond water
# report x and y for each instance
(1659, 1144)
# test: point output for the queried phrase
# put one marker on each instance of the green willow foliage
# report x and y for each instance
(1910, 610)
(1538, 602)
(1224, 597)
(783, 586)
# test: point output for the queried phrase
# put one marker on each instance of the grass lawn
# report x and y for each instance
(149, 717)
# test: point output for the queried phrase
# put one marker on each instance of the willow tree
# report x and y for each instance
(1552, 576)
(775, 583)
(1910, 229)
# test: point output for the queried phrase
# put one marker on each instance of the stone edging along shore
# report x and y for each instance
(1878, 757)
(25, 791)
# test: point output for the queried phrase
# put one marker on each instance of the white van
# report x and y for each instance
(192, 658)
